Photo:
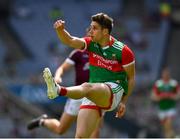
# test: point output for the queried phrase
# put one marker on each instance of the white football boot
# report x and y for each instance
(52, 87)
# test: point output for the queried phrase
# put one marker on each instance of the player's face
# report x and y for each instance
(165, 74)
(96, 32)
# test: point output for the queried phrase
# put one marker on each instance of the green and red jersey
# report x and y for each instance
(106, 63)
(165, 90)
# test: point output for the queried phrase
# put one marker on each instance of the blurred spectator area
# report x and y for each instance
(148, 43)
(2, 53)
(4, 8)
(15, 113)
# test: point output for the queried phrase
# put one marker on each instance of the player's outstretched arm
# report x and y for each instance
(65, 36)
(60, 71)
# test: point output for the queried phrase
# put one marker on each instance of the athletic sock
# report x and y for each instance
(41, 122)
(62, 91)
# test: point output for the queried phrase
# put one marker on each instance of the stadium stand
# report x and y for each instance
(2, 53)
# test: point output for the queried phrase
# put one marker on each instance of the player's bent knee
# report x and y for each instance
(87, 87)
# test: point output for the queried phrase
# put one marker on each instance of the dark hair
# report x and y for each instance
(103, 20)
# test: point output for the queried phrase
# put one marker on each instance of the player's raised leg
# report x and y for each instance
(99, 93)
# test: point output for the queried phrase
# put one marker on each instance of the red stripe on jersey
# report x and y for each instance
(166, 95)
(163, 94)
(99, 61)
(127, 56)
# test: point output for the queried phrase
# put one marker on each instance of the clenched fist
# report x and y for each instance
(59, 24)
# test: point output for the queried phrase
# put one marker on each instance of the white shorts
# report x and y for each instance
(72, 106)
(167, 113)
(116, 98)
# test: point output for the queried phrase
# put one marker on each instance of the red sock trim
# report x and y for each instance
(63, 91)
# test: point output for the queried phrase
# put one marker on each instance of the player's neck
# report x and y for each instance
(166, 80)
(105, 41)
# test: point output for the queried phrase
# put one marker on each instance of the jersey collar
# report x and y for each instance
(110, 43)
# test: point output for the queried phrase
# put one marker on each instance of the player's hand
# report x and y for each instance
(59, 24)
(58, 79)
(121, 110)
(173, 96)
(168, 96)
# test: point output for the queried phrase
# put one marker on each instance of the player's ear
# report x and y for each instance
(105, 31)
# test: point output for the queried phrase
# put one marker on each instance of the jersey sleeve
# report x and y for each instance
(72, 58)
(87, 41)
(155, 89)
(127, 56)
(178, 89)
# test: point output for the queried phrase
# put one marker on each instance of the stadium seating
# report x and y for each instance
(2, 53)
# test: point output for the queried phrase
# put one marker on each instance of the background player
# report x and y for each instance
(165, 92)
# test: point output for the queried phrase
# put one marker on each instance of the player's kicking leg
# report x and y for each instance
(99, 93)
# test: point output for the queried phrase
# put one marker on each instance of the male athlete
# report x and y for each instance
(166, 92)
(112, 74)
